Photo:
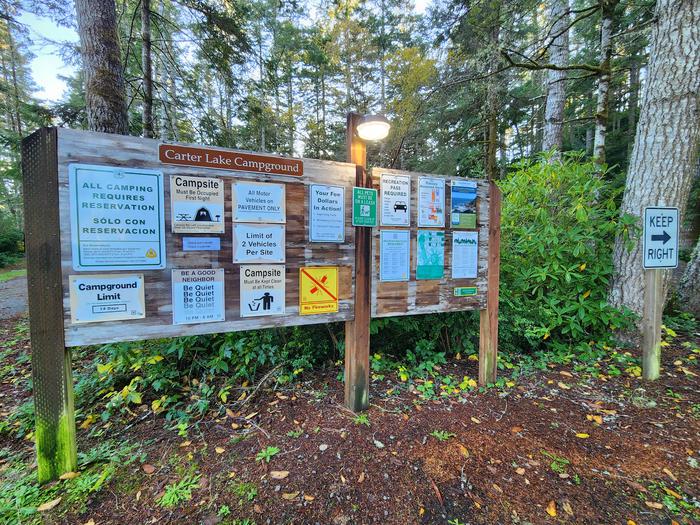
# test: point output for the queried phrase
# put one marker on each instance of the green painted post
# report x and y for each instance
(51, 360)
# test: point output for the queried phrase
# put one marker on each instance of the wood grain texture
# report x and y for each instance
(488, 321)
(114, 150)
(390, 299)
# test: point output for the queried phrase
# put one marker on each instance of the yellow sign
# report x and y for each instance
(318, 290)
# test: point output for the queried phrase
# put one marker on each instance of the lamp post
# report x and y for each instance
(360, 129)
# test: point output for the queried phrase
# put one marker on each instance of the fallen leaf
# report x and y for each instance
(342, 478)
(520, 471)
(257, 508)
(595, 418)
(290, 495)
(252, 415)
(279, 474)
(89, 522)
(185, 444)
(672, 493)
(566, 505)
(138, 495)
(437, 493)
(582, 435)
(497, 488)
(475, 420)
(361, 478)
(563, 475)
(516, 429)
(309, 498)
(670, 474)
(463, 450)
(653, 505)
(552, 509)
(220, 450)
(230, 413)
(148, 469)
(69, 475)
(235, 426)
(48, 505)
(565, 373)
(631, 522)
(563, 385)
(421, 511)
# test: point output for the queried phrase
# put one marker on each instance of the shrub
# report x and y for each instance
(559, 223)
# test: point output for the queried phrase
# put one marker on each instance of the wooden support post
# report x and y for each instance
(357, 330)
(651, 323)
(488, 328)
(51, 360)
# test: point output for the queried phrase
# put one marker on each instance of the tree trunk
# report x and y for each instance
(556, 80)
(689, 285)
(105, 95)
(147, 68)
(607, 8)
(662, 162)
(633, 102)
(493, 94)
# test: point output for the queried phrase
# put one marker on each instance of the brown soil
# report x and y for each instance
(496, 468)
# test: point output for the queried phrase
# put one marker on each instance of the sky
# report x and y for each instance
(47, 64)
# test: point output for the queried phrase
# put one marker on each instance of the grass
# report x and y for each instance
(7, 275)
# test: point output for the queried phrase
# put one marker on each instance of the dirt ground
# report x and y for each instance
(13, 297)
(559, 446)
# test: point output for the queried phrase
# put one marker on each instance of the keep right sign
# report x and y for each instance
(660, 237)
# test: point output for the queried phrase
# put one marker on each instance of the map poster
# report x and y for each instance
(463, 209)
(396, 199)
(262, 290)
(197, 204)
(327, 213)
(258, 202)
(431, 202)
(430, 254)
(110, 297)
(465, 255)
(258, 243)
(117, 218)
(394, 255)
(198, 295)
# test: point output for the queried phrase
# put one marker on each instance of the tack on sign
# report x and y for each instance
(660, 237)
(318, 290)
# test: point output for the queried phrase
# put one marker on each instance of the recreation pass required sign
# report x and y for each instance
(318, 290)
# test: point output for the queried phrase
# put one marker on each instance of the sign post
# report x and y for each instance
(660, 252)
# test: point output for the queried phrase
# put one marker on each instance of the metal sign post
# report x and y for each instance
(660, 252)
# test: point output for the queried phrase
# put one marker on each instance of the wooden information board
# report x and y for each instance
(76, 149)
(422, 296)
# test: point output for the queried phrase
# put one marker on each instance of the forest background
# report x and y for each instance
(548, 98)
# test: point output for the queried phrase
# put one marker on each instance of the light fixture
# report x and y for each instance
(373, 127)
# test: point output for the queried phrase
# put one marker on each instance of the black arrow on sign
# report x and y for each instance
(665, 237)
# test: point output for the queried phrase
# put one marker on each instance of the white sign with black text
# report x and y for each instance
(465, 254)
(396, 199)
(112, 297)
(326, 213)
(258, 243)
(198, 295)
(258, 202)
(660, 237)
(262, 290)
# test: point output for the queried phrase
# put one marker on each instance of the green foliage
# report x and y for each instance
(179, 491)
(267, 454)
(442, 435)
(559, 223)
(362, 419)
(247, 492)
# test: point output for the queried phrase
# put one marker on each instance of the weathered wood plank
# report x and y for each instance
(488, 327)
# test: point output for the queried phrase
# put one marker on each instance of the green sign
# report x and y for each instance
(465, 291)
(430, 254)
(364, 207)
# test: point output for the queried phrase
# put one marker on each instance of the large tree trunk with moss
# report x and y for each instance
(689, 285)
(105, 94)
(666, 143)
(147, 64)
(556, 80)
